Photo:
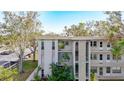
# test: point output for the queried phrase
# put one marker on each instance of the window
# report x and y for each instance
(76, 69)
(87, 51)
(100, 57)
(94, 43)
(87, 69)
(101, 44)
(116, 70)
(76, 51)
(108, 70)
(53, 45)
(91, 43)
(91, 56)
(94, 69)
(101, 71)
(76, 46)
(42, 73)
(42, 45)
(94, 57)
(66, 43)
(76, 55)
(108, 45)
(108, 57)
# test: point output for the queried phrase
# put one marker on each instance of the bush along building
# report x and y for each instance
(87, 56)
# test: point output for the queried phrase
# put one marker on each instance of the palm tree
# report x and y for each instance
(121, 43)
(118, 49)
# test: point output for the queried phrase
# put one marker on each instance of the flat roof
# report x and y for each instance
(72, 38)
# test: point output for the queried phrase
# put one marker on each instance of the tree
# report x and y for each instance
(115, 33)
(99, 28)
(1, 36)
(33, 36)
(121, 44)
(118, 49)
(61, 73)
(115, 25)
(18, 26)
(112, 27)
(76, 30)
(51, 34)
(1, 39)
(92, 76)
(7, 74)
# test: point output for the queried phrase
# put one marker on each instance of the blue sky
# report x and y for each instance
(54, 21)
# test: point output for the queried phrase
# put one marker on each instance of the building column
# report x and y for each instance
(82, 60)
(56, 51)
(39, 53)
(47, 57)
(74, 59)
(89, 59)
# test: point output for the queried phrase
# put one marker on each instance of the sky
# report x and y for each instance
(54, 21)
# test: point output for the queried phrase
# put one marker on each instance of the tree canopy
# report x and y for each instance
(21, 30)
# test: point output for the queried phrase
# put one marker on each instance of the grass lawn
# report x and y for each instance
(29, 67)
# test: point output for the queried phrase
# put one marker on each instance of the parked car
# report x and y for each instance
(6, 52)
(7, 64)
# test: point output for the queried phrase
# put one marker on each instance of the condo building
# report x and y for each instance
(84, 54)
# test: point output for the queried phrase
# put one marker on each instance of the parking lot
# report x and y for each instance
(8, 58)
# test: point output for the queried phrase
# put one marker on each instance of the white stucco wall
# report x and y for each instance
(47, 57)
(39, 53)
(82, 60)
(56, 51)
(74, 58)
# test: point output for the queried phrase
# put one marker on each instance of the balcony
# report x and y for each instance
(110, 77)
(63, 46)
(104, 63)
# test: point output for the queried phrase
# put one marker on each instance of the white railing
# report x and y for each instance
(12, 66)
(31, 77)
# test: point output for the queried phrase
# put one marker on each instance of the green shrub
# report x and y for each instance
(61, 45)
(61, 73)
(7, 74)
(92, 76)
(37, 77)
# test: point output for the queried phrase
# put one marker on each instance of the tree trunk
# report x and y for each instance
(34, 54)
(34, 50)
